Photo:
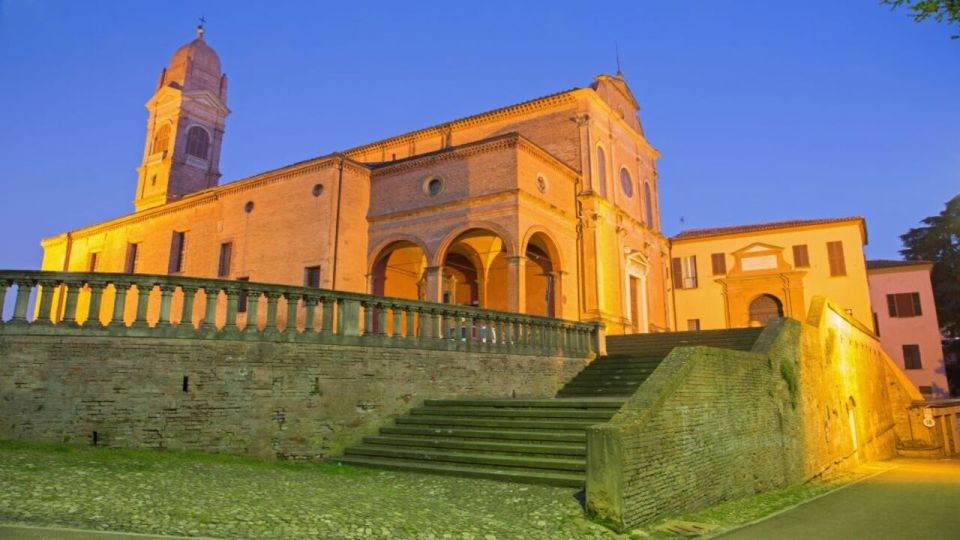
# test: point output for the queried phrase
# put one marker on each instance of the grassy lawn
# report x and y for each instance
(195, 494)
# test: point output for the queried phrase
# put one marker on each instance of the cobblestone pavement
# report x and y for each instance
(198, 495)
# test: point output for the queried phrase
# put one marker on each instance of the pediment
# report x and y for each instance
(208, 100)
(757, 247)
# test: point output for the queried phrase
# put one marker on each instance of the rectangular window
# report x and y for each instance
(911, 357)
(242, 299)
(177, 249)
(719, 263)
(130, 261)
(801, 258)
(838, 266)
(903, 305)
(223, 266)
(311, 277)
(676, 269)
(93, 262)
(693, 324)
(926, 390)
(876, 324)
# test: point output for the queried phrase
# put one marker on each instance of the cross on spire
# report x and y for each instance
(200, 29)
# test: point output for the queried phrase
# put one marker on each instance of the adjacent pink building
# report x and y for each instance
(905, 318)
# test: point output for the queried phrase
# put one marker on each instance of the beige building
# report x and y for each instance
(730, 277)
(547, 207)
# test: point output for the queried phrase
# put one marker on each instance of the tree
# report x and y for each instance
(939, 10)
(938, 241)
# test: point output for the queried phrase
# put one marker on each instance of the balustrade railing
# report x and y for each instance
(183, 307)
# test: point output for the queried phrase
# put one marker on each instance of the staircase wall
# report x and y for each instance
(711, 425)
(272, 399)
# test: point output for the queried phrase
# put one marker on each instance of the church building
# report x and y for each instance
(548, 207)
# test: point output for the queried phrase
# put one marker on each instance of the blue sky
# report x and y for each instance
(762, 110)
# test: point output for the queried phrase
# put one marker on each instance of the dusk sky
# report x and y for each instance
(762, 110)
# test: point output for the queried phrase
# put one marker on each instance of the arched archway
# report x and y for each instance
(541, 276)
(398, 271)
(763, 308)
(475, 270)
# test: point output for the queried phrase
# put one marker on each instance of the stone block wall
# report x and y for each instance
(711, 425)
(270, 399)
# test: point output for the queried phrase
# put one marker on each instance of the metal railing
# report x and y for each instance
(182, 307)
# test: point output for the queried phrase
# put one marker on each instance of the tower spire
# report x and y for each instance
(200, 28)
(616, 47)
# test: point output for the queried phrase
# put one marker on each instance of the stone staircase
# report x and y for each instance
(540, 441)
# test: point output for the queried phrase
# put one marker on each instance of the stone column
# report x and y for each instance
(517, 284)
(434, 276)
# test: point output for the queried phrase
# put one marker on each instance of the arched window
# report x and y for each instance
(161, 141)
(602, 171)
(647, 205)
(198, 142)
(626, 182)
(765, 307)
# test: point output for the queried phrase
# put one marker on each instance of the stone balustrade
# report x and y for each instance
(198, 308)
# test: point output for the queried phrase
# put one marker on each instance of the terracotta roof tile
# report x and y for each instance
(887, 263)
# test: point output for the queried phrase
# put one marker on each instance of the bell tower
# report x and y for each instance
(184, 127)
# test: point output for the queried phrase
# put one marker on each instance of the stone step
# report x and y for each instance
(539, 403)
(523, 447)
(473, 458)
(459, 421)
(481, 433)
(491, 412)
(528, 476)
(582, 392)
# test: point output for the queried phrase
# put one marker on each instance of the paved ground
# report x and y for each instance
(917, 500)
(23, 532)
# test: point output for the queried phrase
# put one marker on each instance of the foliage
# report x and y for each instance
(939, 10)
(938, 241)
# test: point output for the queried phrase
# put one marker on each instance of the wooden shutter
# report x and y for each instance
(223, 268)
(801, 258)
(838, 266)
(130, 263)
(676, 267)
(892, 305)
(719, 263)
(176, 252)
(916, 304)
(911, 357)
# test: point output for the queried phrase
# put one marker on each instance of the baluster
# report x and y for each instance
(253, 309)
(186, 310)
(424, 332)
(381, 319)
(166, 298)
(271, 324)
(232, 294)
(70, 305)
(119, 302)
(309, 314)
(409, 327)
(96, 301)
(397, 311)
(462, 329)
(210, 295)
(327, 322)
(444, 321)
(46, 314)
(293, 305)
(3, 296)
(143, 300)
(22, 302)
(367, 318)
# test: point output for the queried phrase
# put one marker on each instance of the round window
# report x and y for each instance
(317, 190)
(626, 182)
(433, 186)
(542, 184)
(248, 207)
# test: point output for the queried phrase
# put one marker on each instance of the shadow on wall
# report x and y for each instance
(710, 425)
